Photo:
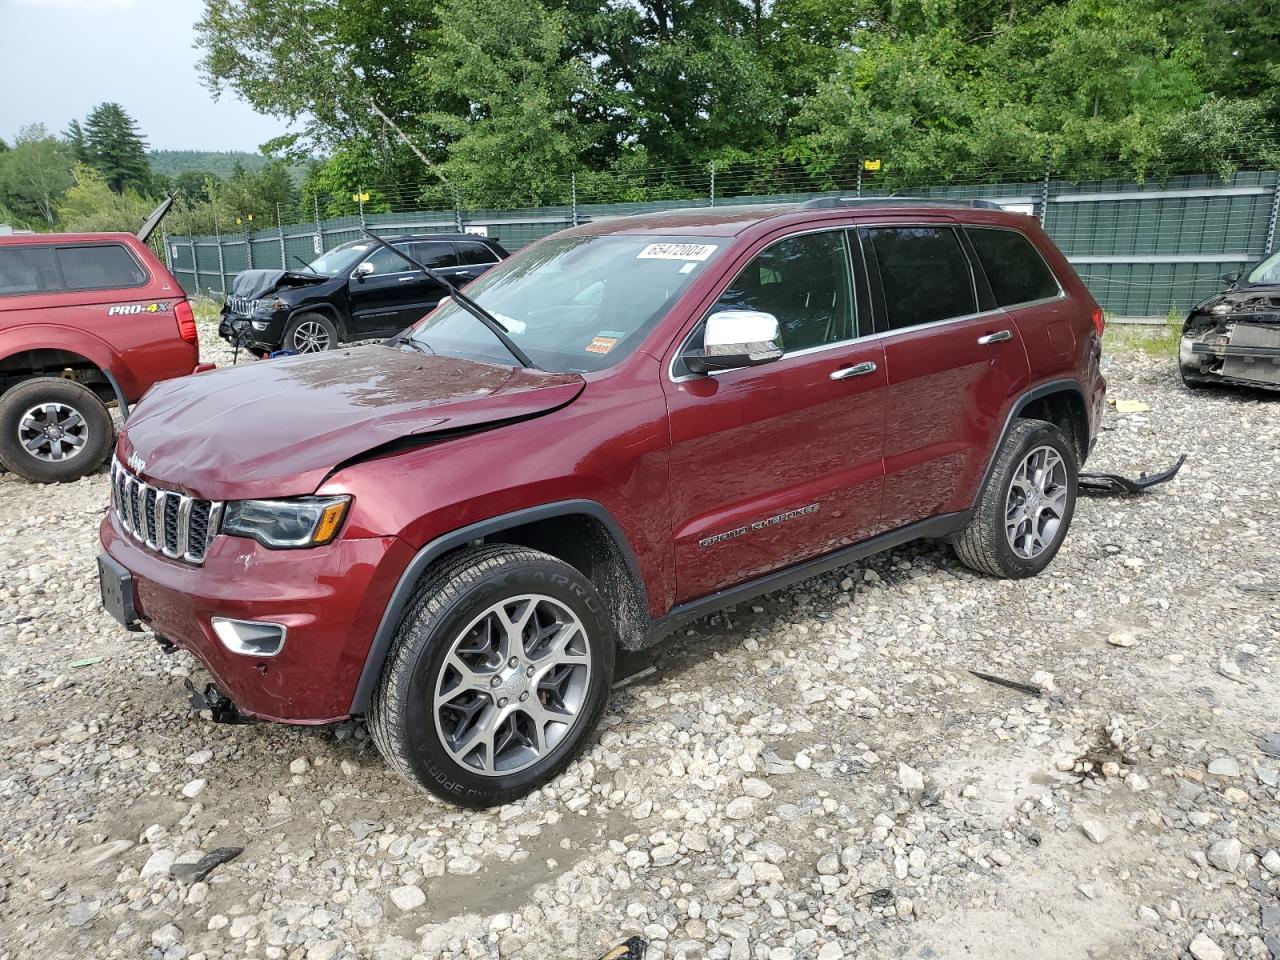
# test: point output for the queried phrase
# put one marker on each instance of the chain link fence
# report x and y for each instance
(1143, 248)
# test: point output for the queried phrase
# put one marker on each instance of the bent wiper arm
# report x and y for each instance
(462, 300)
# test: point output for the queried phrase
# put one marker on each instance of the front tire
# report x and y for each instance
(1026, 505)
(53, 430)
(310, 333)
(498, 675)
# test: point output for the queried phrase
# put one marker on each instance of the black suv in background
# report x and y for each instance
(357, 291)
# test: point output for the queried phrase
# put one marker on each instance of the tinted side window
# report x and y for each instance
(475, 253)
(436, 254)
(1016, 271)
(26, 269)
(804, 282)
(99, 266)
(924, 274)
(385, 261)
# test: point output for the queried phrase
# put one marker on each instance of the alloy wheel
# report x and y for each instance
(53, 432)
(513, 685)
(1036, 502)
(310, 337)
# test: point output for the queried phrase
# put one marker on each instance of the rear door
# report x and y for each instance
(396, 294)
(775, 464)
(474, 258)
(1025, 288)
(954, 360)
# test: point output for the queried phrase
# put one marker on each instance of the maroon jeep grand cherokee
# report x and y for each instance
(706, 405)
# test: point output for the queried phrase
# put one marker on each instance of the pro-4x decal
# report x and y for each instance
(159, 306)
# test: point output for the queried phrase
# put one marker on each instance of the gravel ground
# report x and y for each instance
(816, 775)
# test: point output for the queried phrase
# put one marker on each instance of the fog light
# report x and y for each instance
(260, 325)
(1186, 356)
(251, 638)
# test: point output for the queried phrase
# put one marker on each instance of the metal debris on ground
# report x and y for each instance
(1114, 483)
(633, 949)
(195, 872)
(1011, 684)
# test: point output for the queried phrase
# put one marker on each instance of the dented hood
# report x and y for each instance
(252, 284)
(277, 428)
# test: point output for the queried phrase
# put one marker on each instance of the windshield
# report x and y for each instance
(1268, 271)
(573, 304)
(340, 259)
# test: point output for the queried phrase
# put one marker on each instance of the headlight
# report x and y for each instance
(265, 308)
(301, 522)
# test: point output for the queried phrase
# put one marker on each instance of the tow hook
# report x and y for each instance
(1106, 483)
(219, 705)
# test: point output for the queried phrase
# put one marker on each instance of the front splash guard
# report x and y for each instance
(1111, 483)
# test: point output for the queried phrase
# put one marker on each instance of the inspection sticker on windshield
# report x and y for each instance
(677, 251)
(603, 342)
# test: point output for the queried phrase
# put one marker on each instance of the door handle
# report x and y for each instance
(996, 337)
(857, 370)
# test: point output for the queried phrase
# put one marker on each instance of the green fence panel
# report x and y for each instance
(1143, 249)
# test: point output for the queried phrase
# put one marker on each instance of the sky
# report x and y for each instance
(60, 58)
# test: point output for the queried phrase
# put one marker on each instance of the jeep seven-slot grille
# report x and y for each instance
(178, 526)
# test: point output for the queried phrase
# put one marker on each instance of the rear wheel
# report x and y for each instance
(53, 430)
(499, 673)
(1026, 505)
(310, 333)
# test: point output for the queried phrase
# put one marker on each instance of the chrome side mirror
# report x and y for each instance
(736, 338)
(364, 270)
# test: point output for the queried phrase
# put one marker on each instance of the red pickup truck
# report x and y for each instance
(86, 319)
(621, 428)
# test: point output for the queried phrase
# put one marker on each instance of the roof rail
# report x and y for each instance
(828, 202)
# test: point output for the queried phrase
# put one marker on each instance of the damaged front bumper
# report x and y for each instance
(1229, 347)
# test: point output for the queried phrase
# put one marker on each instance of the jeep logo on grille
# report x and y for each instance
(135, 463)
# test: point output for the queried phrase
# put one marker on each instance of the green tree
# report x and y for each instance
(76, 142)
(955, 90)
(113, 147)
(91, 205)
(200, 185)
(519, 138)
(34, 175)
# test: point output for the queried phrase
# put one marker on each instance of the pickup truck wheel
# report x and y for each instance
(53, 430)
(1026, 506)
(497, 677)
(310, 333)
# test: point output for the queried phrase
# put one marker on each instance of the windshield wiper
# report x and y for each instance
(306, 266)
(400, 341)
(461, 299)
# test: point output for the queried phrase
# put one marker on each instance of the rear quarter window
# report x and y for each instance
(1014, 268)
(474, 253)
(99, 266)
(27, 269)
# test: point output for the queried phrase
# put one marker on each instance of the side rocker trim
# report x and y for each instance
(937, 527)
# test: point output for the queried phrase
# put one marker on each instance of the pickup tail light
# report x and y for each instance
(1099, 322)
(186, 322)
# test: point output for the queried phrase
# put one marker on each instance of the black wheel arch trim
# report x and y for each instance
(327, 310)
(371, 673)
(119, 392)
(1035, 393)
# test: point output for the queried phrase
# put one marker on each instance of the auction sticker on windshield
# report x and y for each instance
(677, 251)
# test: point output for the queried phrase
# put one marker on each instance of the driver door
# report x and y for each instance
(775, 464)
(396, 294)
